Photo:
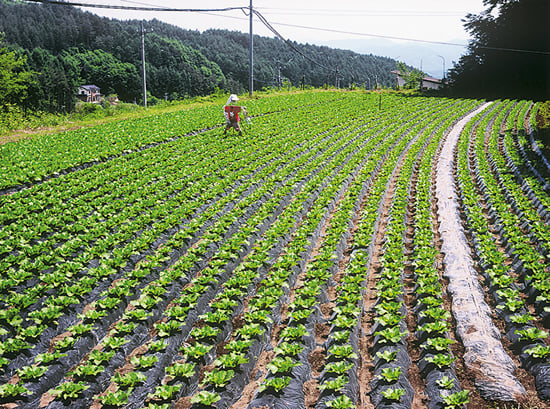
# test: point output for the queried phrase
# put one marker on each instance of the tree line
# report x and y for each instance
(62, 47)
(509, 53)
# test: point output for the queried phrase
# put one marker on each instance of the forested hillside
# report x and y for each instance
(67, 47)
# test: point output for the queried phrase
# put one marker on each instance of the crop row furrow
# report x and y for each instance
(133, 276)
(496, 269)
(256, 222)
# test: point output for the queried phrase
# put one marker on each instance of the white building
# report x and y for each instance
(427, 82)
(89, 93)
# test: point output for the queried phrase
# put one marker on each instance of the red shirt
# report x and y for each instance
(232, 112)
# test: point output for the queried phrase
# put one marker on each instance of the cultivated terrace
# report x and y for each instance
(351, 250)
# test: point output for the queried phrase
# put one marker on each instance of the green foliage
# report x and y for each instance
(336, 384)
(31, 372)
(164, 392)
(539, 351)
(341, 402)
(69, 390)
(181, 370)
(445, 382)
(390, 374)
(457, 399)
(218, 378)
(9, 390)
(441, 360)
(129, 380)
(487, 71)
(144, 361)
(387, 355)
(116, 398)
(412, 77)
(14, 78)
(276, 384)
(205, 398)
(393, 394)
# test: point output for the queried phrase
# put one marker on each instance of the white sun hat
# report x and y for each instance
(232, 98)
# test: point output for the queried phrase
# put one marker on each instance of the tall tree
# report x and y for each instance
(14, 79)
(509, 54)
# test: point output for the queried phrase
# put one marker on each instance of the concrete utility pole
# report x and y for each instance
(143, 65)
(443, 75)
(251, 56)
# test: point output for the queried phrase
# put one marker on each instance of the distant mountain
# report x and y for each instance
(417, 54)
(68, 47)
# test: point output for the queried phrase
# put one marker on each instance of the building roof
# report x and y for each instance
(426, 78)
(89, 87)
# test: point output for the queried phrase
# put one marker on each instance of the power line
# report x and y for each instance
(351, 12)
(206, 11)
(133, 8)
(411, 39)
(287, 42)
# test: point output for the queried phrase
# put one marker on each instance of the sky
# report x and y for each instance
(321, 21)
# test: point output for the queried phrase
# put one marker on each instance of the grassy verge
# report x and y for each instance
(16, 124)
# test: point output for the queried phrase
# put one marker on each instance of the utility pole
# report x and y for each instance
(143, 65)
(443, 75)
(251, 56)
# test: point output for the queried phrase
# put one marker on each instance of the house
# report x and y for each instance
(427, 82)
(89, 93)
(431, 83)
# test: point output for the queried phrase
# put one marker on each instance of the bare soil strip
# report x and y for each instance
(484, 354)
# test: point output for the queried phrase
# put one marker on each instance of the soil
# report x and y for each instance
(321, 332)
(250, 389)
(327, 309)
(317, 361)
(311, 392)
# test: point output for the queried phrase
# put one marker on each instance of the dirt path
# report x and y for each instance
(484, 353)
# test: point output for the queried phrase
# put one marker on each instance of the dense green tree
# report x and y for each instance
(14, 78)
(73, 47)
(56, 82)
(412, 77)
(509, 54)
(107, 72)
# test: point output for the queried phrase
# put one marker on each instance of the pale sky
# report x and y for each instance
(429, 20)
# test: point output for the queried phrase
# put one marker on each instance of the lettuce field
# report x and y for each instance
(350, 250)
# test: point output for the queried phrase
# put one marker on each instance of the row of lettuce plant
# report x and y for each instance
(528, 179)
(522, 205)
(500, 275)
(217, 318)
(533, 224)
(534, 144)
(44, 288)
(526, 159)
(343, 345)
(33, 160)
(56, 197)
(436, 359)
(95, 221)
(391, 387)
(258, 315)
(283, 364)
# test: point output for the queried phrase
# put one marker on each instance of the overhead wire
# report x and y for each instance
(287, 42)
(270, 27)
(133, 8)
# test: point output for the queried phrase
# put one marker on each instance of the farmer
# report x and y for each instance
(231, 113)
